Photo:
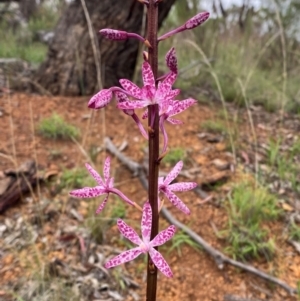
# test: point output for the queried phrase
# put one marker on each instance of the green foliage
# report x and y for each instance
(45, 19)
(248, 208)
(175, 155)
(55, 127)
(294, 232)
(214, 126)
(16, 45)
(181, 238)
(75, 178)
(284, 163)
(22, 42)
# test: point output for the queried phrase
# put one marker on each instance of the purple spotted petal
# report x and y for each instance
(128, 232)
(171, 60)
(164, 132)
(163, 236)
(148, 77)
(180, 106)
(173, 173)
(94, 174)
(146, 223)
(131, 105)
(106, 170)
(166, 85)
(173, 93)
(196, 20)
(122, 97)
(123, 257)
(145, 114)
(101, 99)
(160, 263)
(102, 205)
(174, 121)
(113, 34)
(148, 93)
(88, 192)
(176, 201)
(184, 186)
(131, 88)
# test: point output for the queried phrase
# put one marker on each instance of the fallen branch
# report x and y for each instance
(218, 256)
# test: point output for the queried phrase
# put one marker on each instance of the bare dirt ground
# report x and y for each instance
(46, 232)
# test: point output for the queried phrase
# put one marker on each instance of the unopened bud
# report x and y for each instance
(196, 20)
(113, 34)
(171, 60)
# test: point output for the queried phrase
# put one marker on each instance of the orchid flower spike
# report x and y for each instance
(167, 189)
(144, 244)
(105, 186)
(189, 24)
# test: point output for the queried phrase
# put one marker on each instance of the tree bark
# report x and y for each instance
(70, 67)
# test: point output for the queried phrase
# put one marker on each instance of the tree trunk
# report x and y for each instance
(70, 67)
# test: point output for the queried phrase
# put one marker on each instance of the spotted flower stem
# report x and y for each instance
(153, 111)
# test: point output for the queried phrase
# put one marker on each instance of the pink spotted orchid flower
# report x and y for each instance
(169, 109)
(167, 189)
(144, 245)
(105, 187)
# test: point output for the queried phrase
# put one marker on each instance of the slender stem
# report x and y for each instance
(152, 25)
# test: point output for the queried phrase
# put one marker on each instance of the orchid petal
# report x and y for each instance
(173, 93)
(173, 173)
(131, 105)
(88, 192)
(164, 132)
(102, 205)
(148, 77)
(94, 174)
(122, 97)
(145, 114)
(160, 262)
(106, 170)
(163, 236)
(101, 99)
(128, 232)
(176, 201)
(174, 121)
(131, 88)
(123, 257)
(146, 223)
(140, 126)
(181, 105)
(184, 186)
(166, 85)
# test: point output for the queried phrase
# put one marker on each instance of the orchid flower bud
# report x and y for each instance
(120, 35)
(190, 24)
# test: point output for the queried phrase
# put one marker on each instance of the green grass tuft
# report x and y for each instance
(248, 208)
(175, 155)
(55, 127)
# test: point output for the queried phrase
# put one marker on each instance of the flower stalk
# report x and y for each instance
(153, 146)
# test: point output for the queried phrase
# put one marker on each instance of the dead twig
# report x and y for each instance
(218, 256)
